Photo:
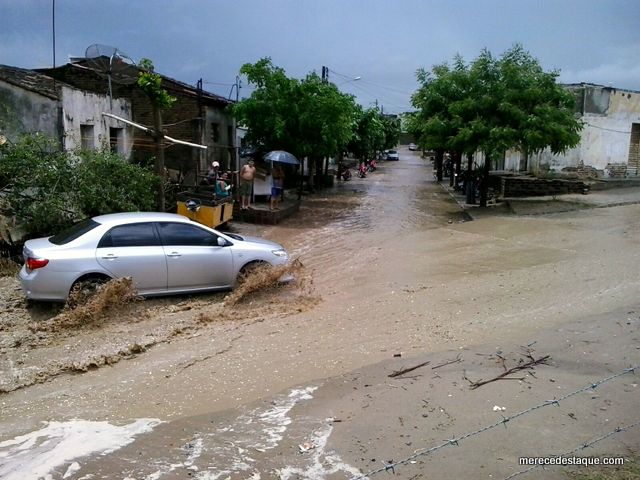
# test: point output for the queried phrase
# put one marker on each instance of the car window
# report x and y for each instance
(73, 232)
(185, 234)
(131, 235)
(392, 152)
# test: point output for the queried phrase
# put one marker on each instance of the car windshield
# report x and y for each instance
(73, 232)
(391, 152)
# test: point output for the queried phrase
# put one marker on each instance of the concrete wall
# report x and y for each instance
(221, 150)
(23, 111)
(608, 115)
(84, 108)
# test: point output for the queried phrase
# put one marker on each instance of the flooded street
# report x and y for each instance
(296, 386)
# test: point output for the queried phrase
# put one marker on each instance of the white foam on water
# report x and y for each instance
(276, 419)
(321, 463)
(195, 450)
(259, 430)
(37, 453)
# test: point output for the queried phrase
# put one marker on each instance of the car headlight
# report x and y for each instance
(280, 253)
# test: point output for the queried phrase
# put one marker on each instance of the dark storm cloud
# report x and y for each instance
(383, 42)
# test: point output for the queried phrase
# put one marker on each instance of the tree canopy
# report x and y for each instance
(309, 117)
(306, 117)
(494, 105)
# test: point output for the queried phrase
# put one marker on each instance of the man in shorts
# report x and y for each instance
(247, 174)
(277, 184)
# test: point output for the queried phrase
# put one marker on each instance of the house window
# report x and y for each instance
(116, 140)
(87, 139)
(215, 132)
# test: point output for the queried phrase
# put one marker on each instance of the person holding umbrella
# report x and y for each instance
(277, 185)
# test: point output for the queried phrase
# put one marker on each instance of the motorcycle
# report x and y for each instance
(373, 166)
(344, 173)
(362, 170)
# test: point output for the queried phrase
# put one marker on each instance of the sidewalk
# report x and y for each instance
(549, 204)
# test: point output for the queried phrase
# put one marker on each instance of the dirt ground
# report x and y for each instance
(394, 276)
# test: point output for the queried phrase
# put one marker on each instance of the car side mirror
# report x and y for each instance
(222, 242)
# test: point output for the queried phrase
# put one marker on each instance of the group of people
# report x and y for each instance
(220, 181)
(247, 175)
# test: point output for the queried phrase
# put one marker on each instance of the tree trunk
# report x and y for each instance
(458, 164)
(319, 172)
(470, 182)
(159, 163)
(439, 158)
(311, 170)
(484, 180)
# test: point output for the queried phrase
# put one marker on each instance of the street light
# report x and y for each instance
(354, 79)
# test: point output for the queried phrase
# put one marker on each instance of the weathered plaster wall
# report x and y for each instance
(84, 108)
(605, 138)
(23, 111)
(221, 150)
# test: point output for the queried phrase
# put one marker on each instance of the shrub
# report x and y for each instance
(46, 189)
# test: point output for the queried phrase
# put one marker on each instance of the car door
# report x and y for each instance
(194, 258)
(134, 250)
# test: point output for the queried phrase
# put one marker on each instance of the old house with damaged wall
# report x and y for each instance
(197, 116)
(33, 102)
(610, 138)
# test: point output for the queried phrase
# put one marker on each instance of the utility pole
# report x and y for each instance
(325, 74)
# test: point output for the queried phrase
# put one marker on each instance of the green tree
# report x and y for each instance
(369, 134)
(391, 132)
(45, 189)
(151, 84)
(308, 117)
(494, 105)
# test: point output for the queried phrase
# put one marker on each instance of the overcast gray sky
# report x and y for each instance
(382, 41)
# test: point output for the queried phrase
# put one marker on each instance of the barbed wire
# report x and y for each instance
(456, 440)
(577, 449)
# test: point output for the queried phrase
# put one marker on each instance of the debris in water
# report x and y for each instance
(306, 446)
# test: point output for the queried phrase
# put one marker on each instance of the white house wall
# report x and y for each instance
(84, 108)
(604, 143)
(23, 111)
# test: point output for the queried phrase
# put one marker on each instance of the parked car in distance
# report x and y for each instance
(163, 253)
(393, 155)
(413, 147)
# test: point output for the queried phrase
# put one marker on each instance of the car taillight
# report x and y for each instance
(35, 263)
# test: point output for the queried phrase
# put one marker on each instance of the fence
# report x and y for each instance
(455, 441)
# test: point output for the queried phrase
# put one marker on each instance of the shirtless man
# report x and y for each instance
(247, 174)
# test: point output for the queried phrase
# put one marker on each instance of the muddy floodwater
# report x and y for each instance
(294, 383)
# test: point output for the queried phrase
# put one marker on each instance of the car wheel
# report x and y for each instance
(250, 269)
(85, 288)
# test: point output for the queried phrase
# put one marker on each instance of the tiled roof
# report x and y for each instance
(31, 80)
(177, 85)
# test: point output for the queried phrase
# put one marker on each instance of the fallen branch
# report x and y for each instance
(407, 370)
(530, 364)
(458, 359)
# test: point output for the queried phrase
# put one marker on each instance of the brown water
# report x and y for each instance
(399, 271)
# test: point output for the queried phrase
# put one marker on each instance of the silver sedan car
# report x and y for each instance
(164, 253)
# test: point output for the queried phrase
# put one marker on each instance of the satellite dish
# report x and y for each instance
(111, 63)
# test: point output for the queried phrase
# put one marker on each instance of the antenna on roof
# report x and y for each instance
(112, 63)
